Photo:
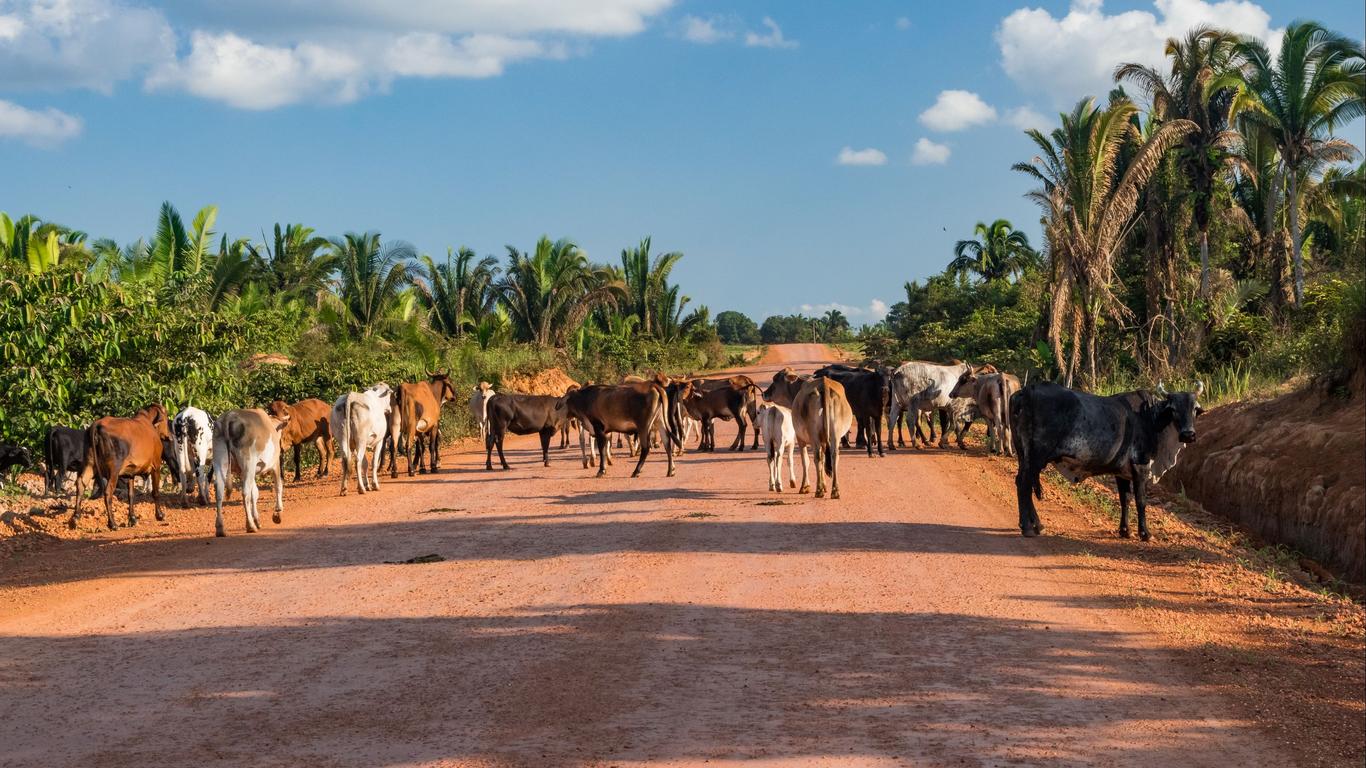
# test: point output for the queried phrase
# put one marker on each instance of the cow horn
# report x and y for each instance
(1199, 387)
(1161, 389)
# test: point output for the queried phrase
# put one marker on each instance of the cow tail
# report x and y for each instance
(93, 455)
(351, 426)
(672, 425)
(828, 414)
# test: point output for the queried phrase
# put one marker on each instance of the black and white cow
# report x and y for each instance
(1134, 436)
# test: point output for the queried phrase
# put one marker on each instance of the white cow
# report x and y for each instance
(479, 408)
(359, 423)
(192, 430)
(780, 436)
(918, 387)
(247, 442)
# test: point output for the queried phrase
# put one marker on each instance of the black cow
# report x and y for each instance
(1134, 436)
(63, 451)
(12, 456)
(522, 415)
(870, 393)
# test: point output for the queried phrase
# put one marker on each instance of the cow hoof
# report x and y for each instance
(834, 494)
(1124, 533)
(276, 517)
(161, 516)
(506, 467)
(489, 467)
(1028, 532)
(820, 494)
(805, 489)
(1038, 528)
(671, 473)
(791, 483)
(1144, 535)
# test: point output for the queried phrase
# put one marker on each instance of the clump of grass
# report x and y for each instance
(695, 515)
(773, 503)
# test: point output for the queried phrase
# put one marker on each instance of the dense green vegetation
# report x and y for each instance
(189, 317)
(1219, 231)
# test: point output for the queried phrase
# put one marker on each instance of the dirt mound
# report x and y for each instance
(551, 381)
(1291, 469)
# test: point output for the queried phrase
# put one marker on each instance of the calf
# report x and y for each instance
(479, 403)
(1135, 436)
(522, 415)
(307, 421)
(419, 407)
(63, 451)
(359, 424)
(991, 391)
(12, 456)
(247, 442)
(118, 447)
(193, 432)
(820, 416)
(869, 393)
(779, 437)
(918, 386)
(629, 408)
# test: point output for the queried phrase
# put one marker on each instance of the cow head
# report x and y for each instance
(783, 390)
(966, 386)
(1180, 409)
(278, 409)
(156, 414)
(442, 387)
(14, 456)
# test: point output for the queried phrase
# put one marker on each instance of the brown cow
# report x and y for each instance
(726, 401)
(419, 409)
(632, 408)
(991, 390)
(307, 421)
(132, 448)
(820, 416)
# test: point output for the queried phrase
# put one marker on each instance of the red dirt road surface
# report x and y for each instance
(580, 621)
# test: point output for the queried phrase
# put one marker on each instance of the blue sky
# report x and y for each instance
(715, 127)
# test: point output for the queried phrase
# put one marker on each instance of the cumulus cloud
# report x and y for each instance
(1075, 55)
(930, 153)
(956, 110)
(874, 311)
(869, 156)
(772, 39)
(1025, 118)
(712, 29)
(79, 43)
(39, 128)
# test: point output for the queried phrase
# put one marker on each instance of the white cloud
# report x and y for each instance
(1025, 118)
(1076, 55)
(903, 23)
(869, 156)
(872, 313)
(79, 43)
(45, 128)
(930, 153)
(773, 39)
(713, 29)
(956, 110)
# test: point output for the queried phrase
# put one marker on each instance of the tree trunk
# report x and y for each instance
(1089, 331)
(1296, 255)
(1204, 261)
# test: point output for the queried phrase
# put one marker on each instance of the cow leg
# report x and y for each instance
(806, 460)
(600, 439)
(1026, 478)
(1122, 486)
(774, 467)
(156, 499)
(740, 425)
(502, 435)
(819, 459)
(1141, 504)
(834, 458)
(643, 439)
(546, 434)
(583, 447)
(279, 499)
(249, 494)
(374, 468)
(345, 466)
(111, 488)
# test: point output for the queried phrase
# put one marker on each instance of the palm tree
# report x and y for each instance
(456, 294)
(1088, 207)
(1315, 84)
(373, 279)
(646, 282)
(999, 251)
(1258, 189)
(549, 292)
(298, 264)
(1184, 93)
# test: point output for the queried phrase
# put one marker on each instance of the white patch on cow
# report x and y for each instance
(1164, 455)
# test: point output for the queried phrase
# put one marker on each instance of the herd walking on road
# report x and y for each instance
(1134, 436)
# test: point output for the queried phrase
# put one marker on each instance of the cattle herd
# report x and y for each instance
(1134, 436)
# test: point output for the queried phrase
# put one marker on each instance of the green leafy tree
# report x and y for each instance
(998, 252)
(736, 328)
(373, 282)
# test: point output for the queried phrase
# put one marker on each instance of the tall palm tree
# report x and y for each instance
(298, 263)
(373, 279)
(1184, 93)
(550, 291)
(458, 293)
(1316, 83)
(1088, 207)
(999, 251)
(1258, 190)
(646, 282)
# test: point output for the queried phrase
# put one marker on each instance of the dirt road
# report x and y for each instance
(577, 621)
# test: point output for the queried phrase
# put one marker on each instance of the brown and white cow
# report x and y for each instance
(307, 421)
(246, 442)
(632, 409)
(991, 390)
(132, 448)
(820, 416)
(419, 408)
